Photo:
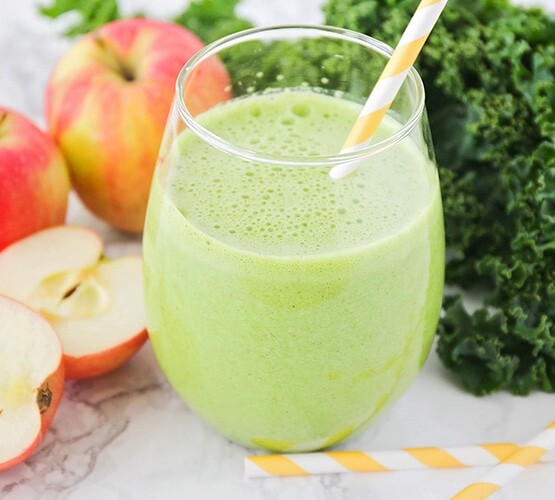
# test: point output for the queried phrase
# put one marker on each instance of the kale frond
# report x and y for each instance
(489, 69)
(92, 13)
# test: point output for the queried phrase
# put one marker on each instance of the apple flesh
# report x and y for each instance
(95, 305)
(107, 103)
(98, 314)
(31, 380)
(34, 182)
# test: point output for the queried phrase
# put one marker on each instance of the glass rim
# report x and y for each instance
(210, 50)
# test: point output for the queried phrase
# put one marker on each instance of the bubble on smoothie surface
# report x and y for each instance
(278, 209)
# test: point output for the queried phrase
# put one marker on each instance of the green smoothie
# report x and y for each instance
(284, 307)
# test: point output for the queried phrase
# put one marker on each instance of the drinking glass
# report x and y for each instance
(288, 309)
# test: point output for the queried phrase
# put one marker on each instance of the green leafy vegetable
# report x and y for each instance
(92, 13)
(257, 66)
(212, 19)
(489, 70)
(208, 19)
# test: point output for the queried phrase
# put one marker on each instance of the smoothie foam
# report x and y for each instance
(287, 308)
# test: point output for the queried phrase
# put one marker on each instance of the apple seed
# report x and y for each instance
(44, 397)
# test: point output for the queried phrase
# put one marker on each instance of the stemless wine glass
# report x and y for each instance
(286, 308)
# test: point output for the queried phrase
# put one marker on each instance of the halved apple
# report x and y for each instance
(31, 380)
(95, 305)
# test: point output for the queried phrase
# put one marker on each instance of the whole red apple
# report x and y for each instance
(107, 103)
(34, 183)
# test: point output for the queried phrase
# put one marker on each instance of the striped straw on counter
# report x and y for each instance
(390, 81)
(329, 462)
(510, 466)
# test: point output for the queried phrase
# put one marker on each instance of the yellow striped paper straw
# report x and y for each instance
(330, 462)
(390, 81)
(510, 466)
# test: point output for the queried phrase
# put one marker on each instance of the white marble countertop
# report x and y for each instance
(127, 435)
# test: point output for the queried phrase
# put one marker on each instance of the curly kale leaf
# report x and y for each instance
(212, 19)
(92, 13)
(208, 19)
(257, 66)
(489, 71)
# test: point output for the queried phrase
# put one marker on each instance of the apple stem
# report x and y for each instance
(3, 117)
(115, 62)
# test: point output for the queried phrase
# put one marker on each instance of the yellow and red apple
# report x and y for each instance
(31, 380)
(107, 103)
(95, 305)
(34, 182)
